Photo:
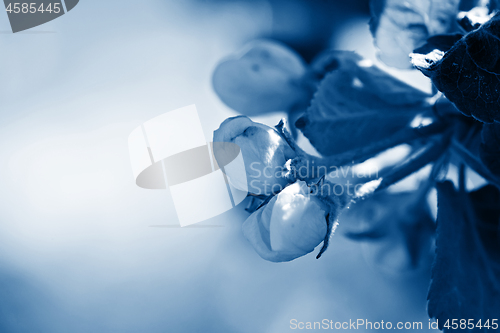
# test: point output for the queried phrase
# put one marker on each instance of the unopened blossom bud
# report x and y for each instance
(264, 154)
(265, 76)
(291, 225)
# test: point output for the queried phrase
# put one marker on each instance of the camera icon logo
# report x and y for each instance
(170, 151)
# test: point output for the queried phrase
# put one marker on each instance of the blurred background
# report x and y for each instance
(83, 249)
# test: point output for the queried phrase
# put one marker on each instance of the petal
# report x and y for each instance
(298, 221)
(231, 128)
(256, 230)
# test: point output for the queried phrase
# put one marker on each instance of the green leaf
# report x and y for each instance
(399, 27)
(358, 104)
(469, 73)
(466, 273)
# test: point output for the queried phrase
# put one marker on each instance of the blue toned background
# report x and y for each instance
(77, 253)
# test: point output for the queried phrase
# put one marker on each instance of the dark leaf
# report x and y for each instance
(444, 108)
(358, 104)
(324, 63)
(439, 42)
(400, 219)
(490, 147)
(399, 27)
(494, 5)
(466, 5)
(468, 74)
(466, 273)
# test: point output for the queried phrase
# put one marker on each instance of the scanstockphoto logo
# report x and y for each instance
(170, 152)
(25, 15)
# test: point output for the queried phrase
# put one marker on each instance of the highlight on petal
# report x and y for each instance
(291, 225)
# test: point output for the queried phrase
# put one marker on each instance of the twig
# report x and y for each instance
(357, 155)
(289, 137)
(411, 165)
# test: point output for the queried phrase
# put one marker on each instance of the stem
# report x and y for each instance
(438, 166)
(357, 155)
(400, 137)
(289, 138)
(411, 165)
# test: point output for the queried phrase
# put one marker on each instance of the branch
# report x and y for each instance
(411, 165)
(356, 155)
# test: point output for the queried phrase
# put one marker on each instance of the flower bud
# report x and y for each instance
(264, 154)
(266, 76)
(291, 225)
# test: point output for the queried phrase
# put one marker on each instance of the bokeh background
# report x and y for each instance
(80, 246)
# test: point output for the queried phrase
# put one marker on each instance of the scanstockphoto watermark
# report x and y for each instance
(25, 15)
(361, 324)
(350, 178)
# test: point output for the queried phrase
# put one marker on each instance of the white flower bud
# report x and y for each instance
(264, 153)
(291, 225)
(266, 76)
